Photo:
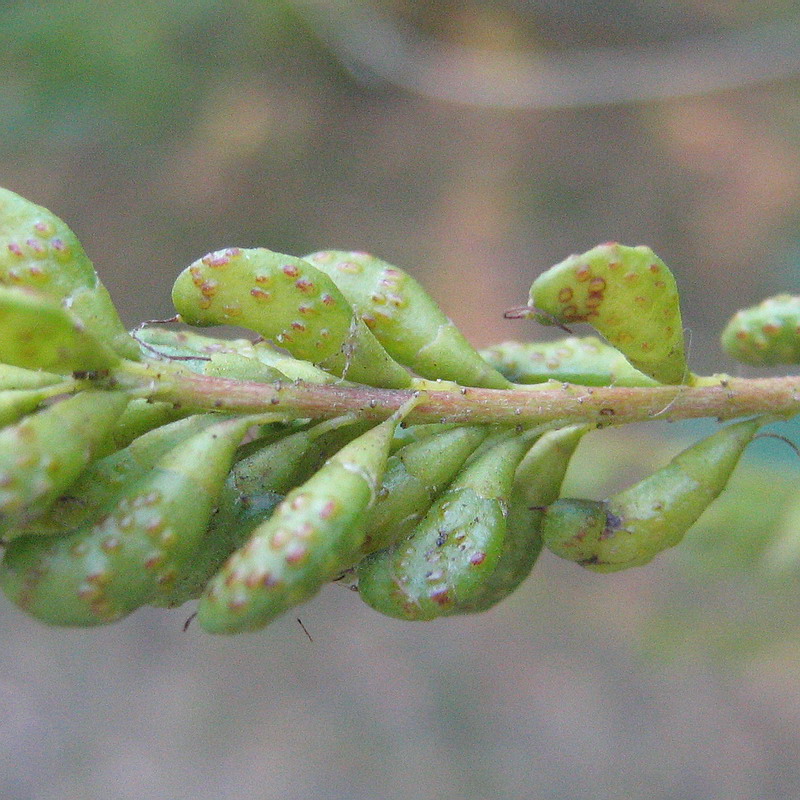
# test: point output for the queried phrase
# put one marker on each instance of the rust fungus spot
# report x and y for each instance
(58, 244)
(255, 579)
(298, 501)
(771, 328)
(295, 553)
(290, 270)
(15, 249)
(583, 272)
(36, 246)
(260, 295)
(304, 285)
(327, 300)
(305, 530)
(151, 562)
(328, 510)
(565, 295)
(606, 412)
(280, 539)
(298, 326)
(263, 278)
(269, 581)
(570, 312)
(597, 284)
(594, 300)
(218, 259)
(477, 558)
(440, 597)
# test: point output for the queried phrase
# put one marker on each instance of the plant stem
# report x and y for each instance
(718, 396)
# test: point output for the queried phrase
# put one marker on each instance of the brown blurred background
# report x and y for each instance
(475, 144)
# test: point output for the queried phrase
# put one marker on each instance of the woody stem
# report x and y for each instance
(721, 397)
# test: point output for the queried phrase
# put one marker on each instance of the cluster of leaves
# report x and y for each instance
(111, 499)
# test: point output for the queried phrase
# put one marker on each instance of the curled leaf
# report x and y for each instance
(405, 319)
(38, 251)
(414, 476)
(632, 527)
(266, 470)
(41, 455)
(628, 295)
(109, 567)
(312, 535)
(537, 483)
(37, 333)
(585, 361)
(287, 300)
(442, 567)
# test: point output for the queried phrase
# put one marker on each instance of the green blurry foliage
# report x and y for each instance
(126, 72)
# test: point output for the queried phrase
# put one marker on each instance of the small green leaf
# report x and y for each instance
(38, 251)
(41, 455)
(585, 361)
(442, 568)
(287, 300)
(266, 471)
(415, 475)
(19, 378)
(766, 334)
(103, 481)
(312, 535)
(37, 333)
(628, 295)
(406, 320)
(134, 551)
(632, 527)
(537, 483)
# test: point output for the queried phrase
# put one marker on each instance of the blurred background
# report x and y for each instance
(474, 143)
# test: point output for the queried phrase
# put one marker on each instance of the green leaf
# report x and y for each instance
(585, 361)
(38, 251)
(37, 333)
(406, 320)
(287, 300)
(41, 455)
(628, 295)
(442, 568)
(312, 535)
(133, 553)
(537, 483)
(766, 334)
(632, 527)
